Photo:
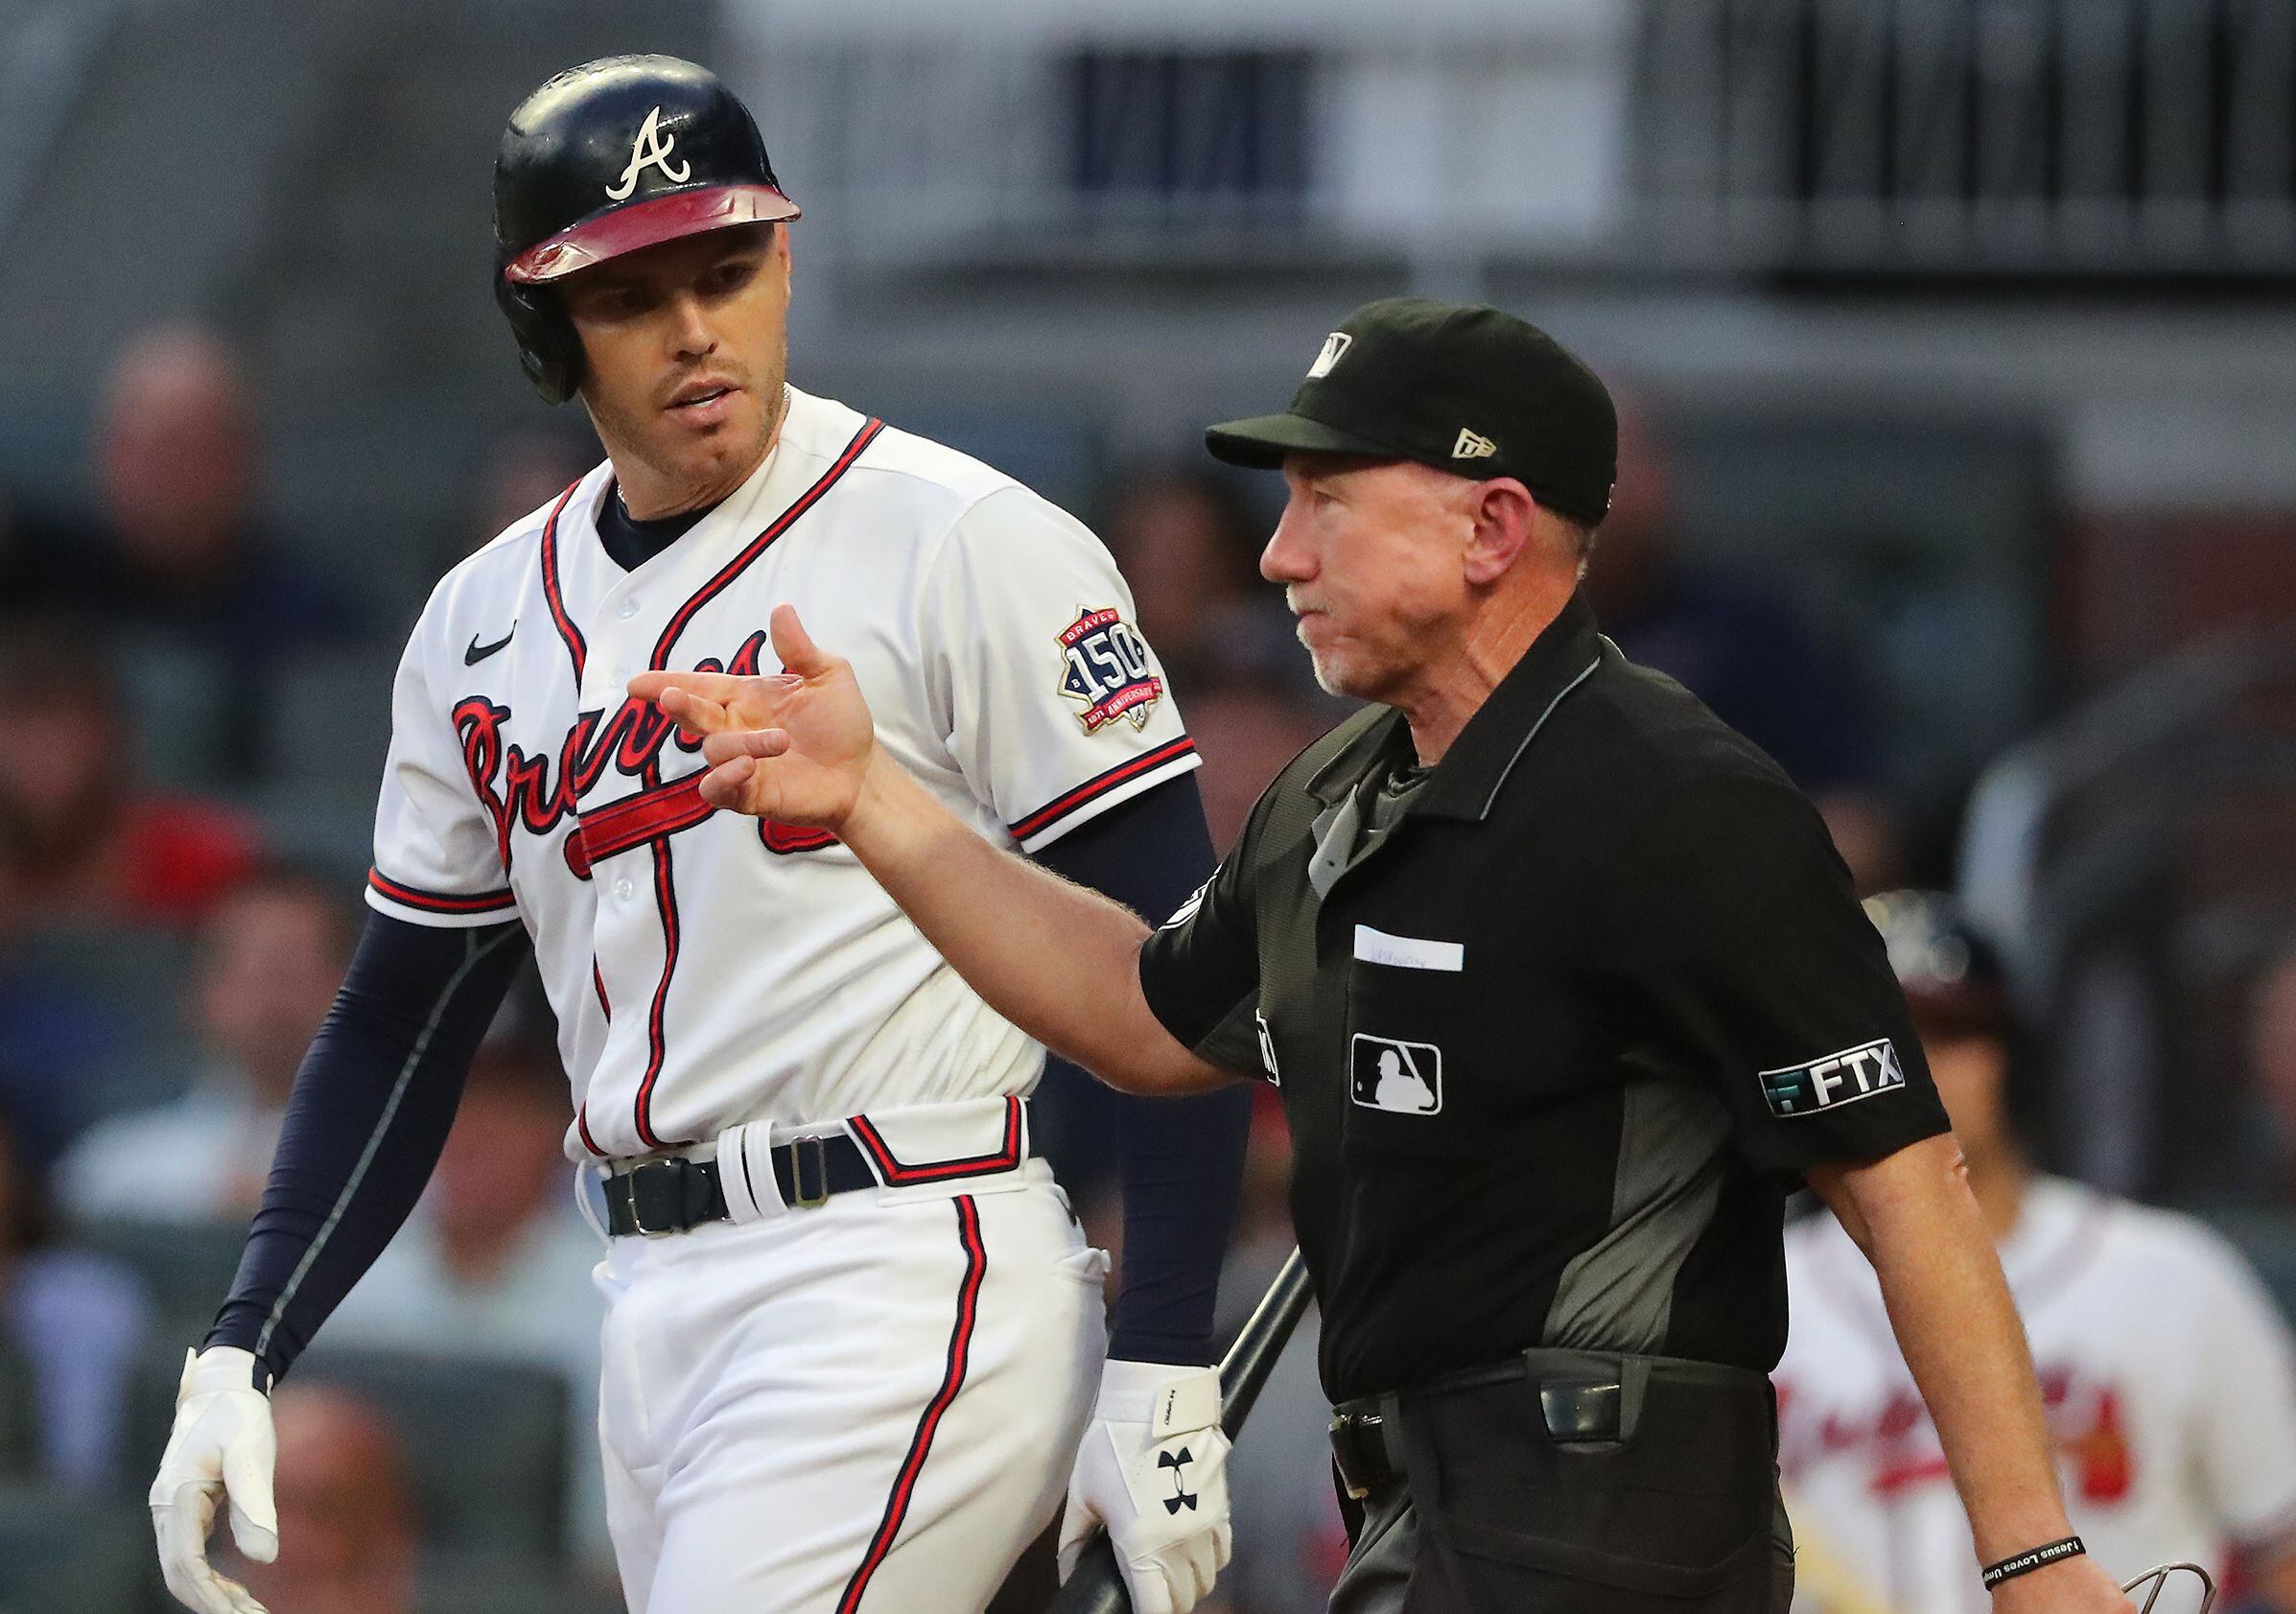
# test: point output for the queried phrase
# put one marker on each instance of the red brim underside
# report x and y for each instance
(647, 224)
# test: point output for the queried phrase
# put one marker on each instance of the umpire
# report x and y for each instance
(1564, 989)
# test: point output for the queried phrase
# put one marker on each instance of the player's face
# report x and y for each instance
(1370, 553)
(686, 345)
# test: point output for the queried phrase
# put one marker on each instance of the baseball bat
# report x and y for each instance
(1098, 1586)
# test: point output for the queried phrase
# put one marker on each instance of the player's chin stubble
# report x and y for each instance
(700, 466)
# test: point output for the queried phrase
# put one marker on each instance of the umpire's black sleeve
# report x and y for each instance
(1728, 949)
(1183, 1159)
(369, 1115)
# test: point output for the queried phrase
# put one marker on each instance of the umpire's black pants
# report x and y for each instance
(1666, 1505)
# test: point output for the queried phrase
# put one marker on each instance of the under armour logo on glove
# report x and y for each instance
(650, 149)
(1182, 1496)
(1153, 1468)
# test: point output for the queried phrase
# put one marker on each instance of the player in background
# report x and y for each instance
(853, 1344)
(2168, 1374)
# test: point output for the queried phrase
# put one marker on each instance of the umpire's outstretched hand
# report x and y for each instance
(796, 746)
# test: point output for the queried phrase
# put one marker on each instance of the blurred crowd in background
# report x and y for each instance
(2001, 660)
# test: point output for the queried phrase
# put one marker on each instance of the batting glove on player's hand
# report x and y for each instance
(1154, 1470)
(222, 1444)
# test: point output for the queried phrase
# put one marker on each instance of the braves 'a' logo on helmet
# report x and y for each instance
(650, 149)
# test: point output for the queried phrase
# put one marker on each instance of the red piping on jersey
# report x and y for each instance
(781, 839)
(583, 1126)
(758, 545)
(650, 815)
(960, 1347)
(665, 883)
(439, 901)
(1051, 812)
(598, 984)
(666, 895)
(899, 1176)
(550, 593)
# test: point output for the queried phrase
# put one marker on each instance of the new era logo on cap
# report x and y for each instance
(1472, 445)
(1335, 348)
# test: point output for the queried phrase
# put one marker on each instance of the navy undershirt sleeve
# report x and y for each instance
(1182, 1158)
(365, 1123)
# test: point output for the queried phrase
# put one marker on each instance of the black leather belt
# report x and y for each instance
(1363, 1446)
(674, 1195)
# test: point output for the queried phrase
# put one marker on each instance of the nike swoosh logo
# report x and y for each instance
(478, 652)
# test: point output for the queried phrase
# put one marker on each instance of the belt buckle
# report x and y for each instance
(667, 1173)
(1346, 1429)
(1576, 1413)
(800, 1195)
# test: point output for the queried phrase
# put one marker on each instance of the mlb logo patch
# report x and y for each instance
(1400, 1078)
(1104, 663)
(1832, 1082)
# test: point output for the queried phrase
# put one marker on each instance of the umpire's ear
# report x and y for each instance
(1505, 519)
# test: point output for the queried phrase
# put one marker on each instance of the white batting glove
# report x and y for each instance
(221, 1447)
(1154, 1470)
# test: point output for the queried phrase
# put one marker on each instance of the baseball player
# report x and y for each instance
(2168, 1378)
(853, 1339)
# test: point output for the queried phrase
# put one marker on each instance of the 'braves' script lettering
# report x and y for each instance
(528, 792)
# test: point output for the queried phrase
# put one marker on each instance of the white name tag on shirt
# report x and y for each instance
(1408, 952)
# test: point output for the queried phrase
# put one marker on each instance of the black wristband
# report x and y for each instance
(2040, 1557)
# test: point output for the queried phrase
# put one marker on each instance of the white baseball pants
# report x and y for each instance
(868, 1407)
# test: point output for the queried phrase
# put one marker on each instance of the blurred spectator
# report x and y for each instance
(54, 1033)
(268, 964)
(17, 585)
(1290, 1539)
(188, 567)
(47, 564)
(1188, 545)
(1738, 648)
(497, 1262)
(348, 1534)
(87, 842)
(76, 1325)
(2168, 1377)
(2272, 1061)
(522, 472)
(1245, 730)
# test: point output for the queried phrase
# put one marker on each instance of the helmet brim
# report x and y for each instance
(646, 223)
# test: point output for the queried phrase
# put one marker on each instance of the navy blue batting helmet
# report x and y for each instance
(609, 157)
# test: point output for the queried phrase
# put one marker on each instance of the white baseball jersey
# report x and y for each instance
(2166, 1373)
(708, 970)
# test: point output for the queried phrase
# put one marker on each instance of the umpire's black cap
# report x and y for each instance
(1464, 388)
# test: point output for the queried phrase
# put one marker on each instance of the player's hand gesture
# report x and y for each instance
(794, 746)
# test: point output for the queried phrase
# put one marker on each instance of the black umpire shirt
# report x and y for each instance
(1557, 1023)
